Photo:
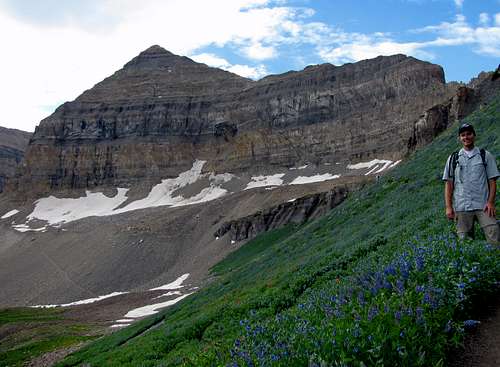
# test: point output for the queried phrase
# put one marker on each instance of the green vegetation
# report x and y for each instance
(379, 281)
(26, 333)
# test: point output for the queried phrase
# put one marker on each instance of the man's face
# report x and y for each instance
(467, 138)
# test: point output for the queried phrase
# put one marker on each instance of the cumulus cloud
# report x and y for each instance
(64, 48)
(459, 3)
(252, 72)
(484, 19)
(484, 40)
(360, 47)
(61, 50)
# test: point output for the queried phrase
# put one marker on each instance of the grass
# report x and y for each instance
(378, 281)
(26, 333)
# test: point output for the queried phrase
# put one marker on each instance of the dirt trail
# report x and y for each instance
(482, 345)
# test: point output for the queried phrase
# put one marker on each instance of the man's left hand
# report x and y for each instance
(490, 209)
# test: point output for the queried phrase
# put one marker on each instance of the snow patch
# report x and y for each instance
(57, 211)
(370, 164)
(82, 302)
(125, 320)
(152, 309)
(176, 284)
(174, 293)
(26, 228)
(296, 168)
(316, 178)
(10, 214)
(263, 181)
(119, 325)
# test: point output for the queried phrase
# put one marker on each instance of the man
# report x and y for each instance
(470, 188)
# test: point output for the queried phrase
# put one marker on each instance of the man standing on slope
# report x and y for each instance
(470, 188)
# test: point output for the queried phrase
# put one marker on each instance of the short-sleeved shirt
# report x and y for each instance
(471, 177)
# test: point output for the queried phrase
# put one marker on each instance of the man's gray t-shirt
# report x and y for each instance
(471, 179)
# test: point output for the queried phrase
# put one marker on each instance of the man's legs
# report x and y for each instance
(489, 226)
(465, 224)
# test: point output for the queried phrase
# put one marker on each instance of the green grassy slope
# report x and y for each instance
(378, 281)
(26, 333)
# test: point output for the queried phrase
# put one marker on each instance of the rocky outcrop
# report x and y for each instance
(297, 211)
(153, 118)
(13, 143)
(480, 91)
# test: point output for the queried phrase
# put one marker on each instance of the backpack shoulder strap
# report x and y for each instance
(483, 157)
(453, 164)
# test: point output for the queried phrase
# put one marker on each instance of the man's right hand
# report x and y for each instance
(450, 213)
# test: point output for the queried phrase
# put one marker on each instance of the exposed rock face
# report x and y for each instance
(13, 143)
(468, 98)
(298, 211)
(154, 117)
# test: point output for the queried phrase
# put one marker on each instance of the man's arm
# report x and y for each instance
(490, 204)
(448, 194)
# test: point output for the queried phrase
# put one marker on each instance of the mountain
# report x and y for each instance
(132, 194)
(378, 280)
(168, 165)
(158, 114)
(13, 144)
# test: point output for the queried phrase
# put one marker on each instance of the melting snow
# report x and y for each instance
(301, 167)
(82, 302)
(152, 309)
(56, 211)
(174, 293)
(10, 214)
(119, 325)
(176, 284)
(370, 164)
(262, 181)
(26, 228)
(309, 179)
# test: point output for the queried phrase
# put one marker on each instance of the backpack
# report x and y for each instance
(454, 162)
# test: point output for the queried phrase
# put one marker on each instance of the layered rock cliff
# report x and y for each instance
(13, 143)
(467, 98)
(154, 117)
(296, 211)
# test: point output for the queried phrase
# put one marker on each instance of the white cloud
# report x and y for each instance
(211, 60)
(47, 62)
(497, 19)
(484, 40)
(249, 71)
(253, 72)
(459, 3)
(370, 47)
(484, 19)
(257, 51)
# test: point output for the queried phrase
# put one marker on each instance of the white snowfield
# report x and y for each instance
(375, 165)
(82, 302)
(176, 284)
(301, 180)
(156, 307)
(263, 181)
(57, 211)
(9, 214)
(152, 309)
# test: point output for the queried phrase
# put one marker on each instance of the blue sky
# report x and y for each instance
(57, 49)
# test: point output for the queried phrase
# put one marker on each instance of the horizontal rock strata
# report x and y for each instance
(13, 143)
(297, 211)
(153, 118)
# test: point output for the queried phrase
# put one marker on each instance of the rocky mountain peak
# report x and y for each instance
(157, 73)
(156, 57)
